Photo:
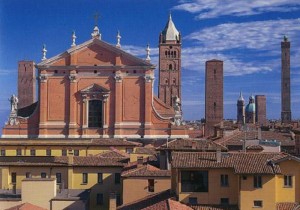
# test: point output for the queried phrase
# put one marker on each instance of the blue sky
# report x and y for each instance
(246, 35)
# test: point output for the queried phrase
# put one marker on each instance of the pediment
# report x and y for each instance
(94, 88)
(95, 52)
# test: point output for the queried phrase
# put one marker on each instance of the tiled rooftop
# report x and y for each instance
(26, 206)
(60, 161)
(145, 171)
(192, 144)
(72, 194)
(158, 201)
(114, 153)
(241, 163)
(235, 139)
(215, 207)
(145, 150)
(287, 206)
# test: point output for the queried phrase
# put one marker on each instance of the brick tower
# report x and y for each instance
(213, 95)
(241, 110)
(169, 84)
(286, 114)
(260, 105)
(26, 83)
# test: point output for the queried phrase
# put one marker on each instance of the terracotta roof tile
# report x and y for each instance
(235, 139)
(158, 201)
(241, 163)
(145, 150)
(254, 147)
(192, 145)
(146, 171)
(287, 206)
(59, 161)
(113, 153)
(26, 206)
(215, 207)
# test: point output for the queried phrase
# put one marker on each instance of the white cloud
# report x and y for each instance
(205, 9)
(6, 72)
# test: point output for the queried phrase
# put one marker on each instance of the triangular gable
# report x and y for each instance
(94, 88)
(284, 158)
(112, 51)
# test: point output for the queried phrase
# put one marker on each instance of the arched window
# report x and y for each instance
(174, 54)
(168, 54)
(166, 81)
(95, 114)
(170, 67)
(215, 106)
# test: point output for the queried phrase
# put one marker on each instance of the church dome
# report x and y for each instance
(250, 108)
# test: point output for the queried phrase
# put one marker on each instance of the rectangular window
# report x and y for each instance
(3, 152)
(100, 178)
(193, 201)
(224, 201)
(14, 177)
(84, 178)
(194, 181)
(118, 199)
(63, 152)
(129, 150)
(58, 178)
(19, 152)
(257, 182)
(28, 175)
(150, 185)
(76, 152)
(288, 181)
(43, 175)
(117, 178)
(99, 198)
(257, 204)
(95, 114)
(32, 152)
(224, 180)
(48, 152)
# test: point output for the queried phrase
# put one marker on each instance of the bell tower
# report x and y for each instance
(169, 85)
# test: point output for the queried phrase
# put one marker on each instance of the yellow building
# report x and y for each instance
(141, 180)
(101, 175)
(245, 180)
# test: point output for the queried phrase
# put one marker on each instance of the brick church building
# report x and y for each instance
(97, 90)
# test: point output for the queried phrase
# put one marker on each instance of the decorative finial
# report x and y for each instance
(96, 31)
(73, 39)
(285, 38)
(118, 40)
(44, 52)
(148, 53)
(170, 15)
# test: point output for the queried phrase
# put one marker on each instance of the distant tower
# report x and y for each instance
(286, 114)
(169, 84)
(26, 83)
(241, 110)
(213, 95)
(250, 110)
(261, 113)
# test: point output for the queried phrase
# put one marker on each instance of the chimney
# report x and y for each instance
(140, 161)
(112, 201)
(193, 145)
(219, 155)
(259, 133)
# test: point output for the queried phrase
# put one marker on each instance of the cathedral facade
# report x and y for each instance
(97, 90)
